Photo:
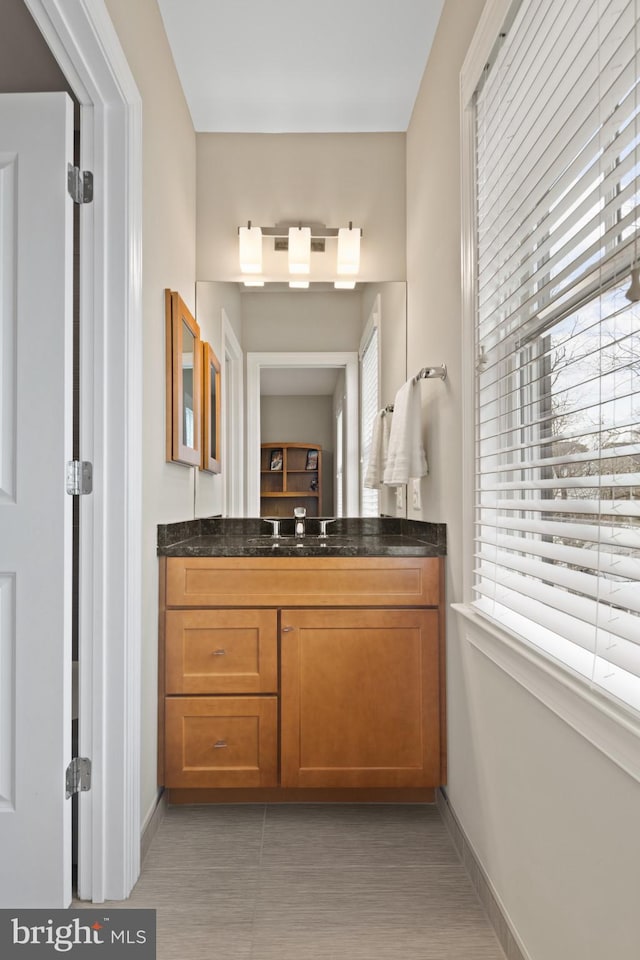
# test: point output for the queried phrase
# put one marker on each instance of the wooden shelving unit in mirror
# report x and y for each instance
(290, 476)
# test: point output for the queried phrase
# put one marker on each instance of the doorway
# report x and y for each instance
(85, 46)
(346, 362)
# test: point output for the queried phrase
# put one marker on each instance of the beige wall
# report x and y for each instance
(211, 300)
(26, 62)
(169, 260)
(552, 820)
(304, 419)
(301, 321)
(326, 178)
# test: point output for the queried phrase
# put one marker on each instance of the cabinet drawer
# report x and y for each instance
(221, 651)
(303, 581)
(221, 742)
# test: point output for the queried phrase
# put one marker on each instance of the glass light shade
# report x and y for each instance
(250, 243)
(253, 283)
(344, 284)
(299, 284)
(299, 249)
(348, 251)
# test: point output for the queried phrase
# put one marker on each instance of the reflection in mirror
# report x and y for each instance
(211, 411)
(298, 405)
(188, 351)
(183, 373)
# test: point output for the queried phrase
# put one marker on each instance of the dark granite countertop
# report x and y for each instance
(346, 537)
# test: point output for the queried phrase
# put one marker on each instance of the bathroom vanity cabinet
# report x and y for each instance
(301, 676)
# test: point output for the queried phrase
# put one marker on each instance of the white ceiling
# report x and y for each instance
(285, 66)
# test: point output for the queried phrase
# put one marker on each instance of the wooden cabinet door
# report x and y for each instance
(360, 698)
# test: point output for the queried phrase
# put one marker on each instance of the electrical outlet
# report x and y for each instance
(416, 499)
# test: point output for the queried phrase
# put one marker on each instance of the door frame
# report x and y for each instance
(83, 40)
(348, 361)
(233, 433)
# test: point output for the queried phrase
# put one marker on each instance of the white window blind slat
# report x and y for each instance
(590, 146)
(557, 447)
(620, 594)
(612, 564)
(564, 627)
(593, 108)
(620, 538)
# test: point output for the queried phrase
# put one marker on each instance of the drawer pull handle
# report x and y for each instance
(219, 743)
(219, 653)
(287, 629)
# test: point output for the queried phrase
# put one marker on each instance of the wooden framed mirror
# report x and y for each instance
(211, 401)
(184, 382)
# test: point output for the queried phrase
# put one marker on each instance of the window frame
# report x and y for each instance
(371, 331)
(604, 721)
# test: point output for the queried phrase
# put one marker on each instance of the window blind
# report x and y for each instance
(369, 406)
(557, 508)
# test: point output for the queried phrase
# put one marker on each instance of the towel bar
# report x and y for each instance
(427, 373)
(432, 373)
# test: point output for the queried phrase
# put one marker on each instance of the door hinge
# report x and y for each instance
(79, 184)
(78, 776)
(79, 477)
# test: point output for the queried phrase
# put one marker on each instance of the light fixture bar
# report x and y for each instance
(317, 233)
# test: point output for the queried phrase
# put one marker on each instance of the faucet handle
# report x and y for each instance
(323, 526)
(275, 526)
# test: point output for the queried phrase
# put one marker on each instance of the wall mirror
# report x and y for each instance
(211, 403)
(183, 377)
(299, 384)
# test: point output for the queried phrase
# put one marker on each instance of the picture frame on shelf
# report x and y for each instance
(312, 460)
(275, 462)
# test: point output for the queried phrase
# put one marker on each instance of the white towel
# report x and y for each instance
(406, 458)
(378, 450)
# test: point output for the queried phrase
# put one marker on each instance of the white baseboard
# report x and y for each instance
(152, 822)
(511, 944)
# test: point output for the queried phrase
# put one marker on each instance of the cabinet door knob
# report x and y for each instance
(219, 653)
(287, 629)
(219, 743)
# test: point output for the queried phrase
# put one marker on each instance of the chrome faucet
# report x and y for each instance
(275, 526)
(323, 526)
(299, 513)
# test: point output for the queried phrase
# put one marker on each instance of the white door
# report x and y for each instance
(36, 241)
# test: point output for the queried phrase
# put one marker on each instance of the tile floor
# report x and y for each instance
(311, 882)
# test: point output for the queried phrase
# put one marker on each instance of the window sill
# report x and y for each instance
(608, 726)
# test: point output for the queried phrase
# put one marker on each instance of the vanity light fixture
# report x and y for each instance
(348, 250)
(300, 242)
(299, 249)
(299, 284)
(253, 283)
(250, 243)
(344, 285)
